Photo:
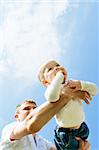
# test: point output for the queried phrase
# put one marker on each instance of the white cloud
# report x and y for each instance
(1, 42)
(29, 36)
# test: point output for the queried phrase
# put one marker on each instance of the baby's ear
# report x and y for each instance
(44, 82)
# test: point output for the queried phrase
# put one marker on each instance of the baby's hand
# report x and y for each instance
(75, 85)
(62, 70)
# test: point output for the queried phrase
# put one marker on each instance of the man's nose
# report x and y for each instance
(31, 109)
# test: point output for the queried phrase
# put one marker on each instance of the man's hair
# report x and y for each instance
(26, 101)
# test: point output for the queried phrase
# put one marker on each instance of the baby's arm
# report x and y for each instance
(90, 87)
(52, 93)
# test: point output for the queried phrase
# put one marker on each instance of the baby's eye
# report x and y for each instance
(57, 65)
(49, 69)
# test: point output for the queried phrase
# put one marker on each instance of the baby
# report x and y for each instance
(70, 118)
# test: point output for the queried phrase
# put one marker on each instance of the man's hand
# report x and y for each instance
(71, 86)
(53, 148)
(82, 95)
(66, 90)
(83, 145)
(75, 85)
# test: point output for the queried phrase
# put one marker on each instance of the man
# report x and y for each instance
(13, 135)
(21, 135)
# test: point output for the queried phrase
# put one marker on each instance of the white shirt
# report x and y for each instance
(72, 114)
(25, 143)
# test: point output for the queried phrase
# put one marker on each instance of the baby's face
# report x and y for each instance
(51, 71)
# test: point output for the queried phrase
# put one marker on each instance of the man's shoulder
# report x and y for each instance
(9, 126)
(8, 129)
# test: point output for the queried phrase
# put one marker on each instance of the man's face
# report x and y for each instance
(51, 71)
(24, 110)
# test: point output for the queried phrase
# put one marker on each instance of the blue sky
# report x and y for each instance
(34, 31)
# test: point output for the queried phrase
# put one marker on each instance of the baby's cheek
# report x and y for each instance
(51, 76)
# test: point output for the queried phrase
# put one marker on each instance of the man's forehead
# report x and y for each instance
(27, 104)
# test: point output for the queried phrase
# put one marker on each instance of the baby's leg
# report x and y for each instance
(83, 131)
(65, 137)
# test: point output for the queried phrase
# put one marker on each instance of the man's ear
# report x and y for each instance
(16, 116)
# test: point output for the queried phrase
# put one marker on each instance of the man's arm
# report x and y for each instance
(40, 116)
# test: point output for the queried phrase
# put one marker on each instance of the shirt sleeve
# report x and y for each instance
(90, 87)
(52, 93)
(48, 144)
(5, 142)
(7, 131)
(5, 145)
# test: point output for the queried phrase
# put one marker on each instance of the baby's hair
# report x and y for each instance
(43, 67)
